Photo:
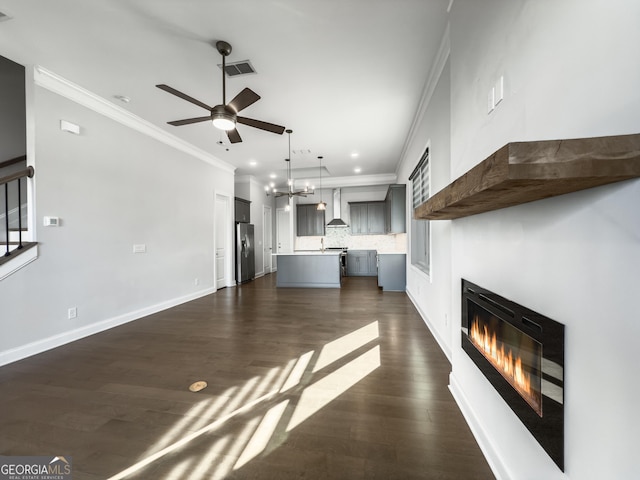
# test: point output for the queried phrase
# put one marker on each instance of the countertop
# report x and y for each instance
(310, 252)
(335, 252)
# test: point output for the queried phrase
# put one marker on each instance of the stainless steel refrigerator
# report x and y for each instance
(245, 253)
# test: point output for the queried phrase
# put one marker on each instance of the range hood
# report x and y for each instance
(337, 221)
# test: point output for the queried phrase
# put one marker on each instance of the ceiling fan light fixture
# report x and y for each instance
(224, 124)
(223, 118)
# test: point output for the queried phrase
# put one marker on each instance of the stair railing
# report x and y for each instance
(4, 182)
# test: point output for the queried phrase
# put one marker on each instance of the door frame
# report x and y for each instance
(288, 233)
(267, 240)
(224, 218)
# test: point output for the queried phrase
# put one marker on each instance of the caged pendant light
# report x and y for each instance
(291, 192)
(322, 205)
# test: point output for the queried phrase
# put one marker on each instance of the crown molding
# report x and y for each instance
(250, 179)
(350, 181)
(57, 84)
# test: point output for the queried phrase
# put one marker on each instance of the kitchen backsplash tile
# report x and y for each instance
(341, 237)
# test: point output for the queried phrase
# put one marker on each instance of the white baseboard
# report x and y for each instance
(434, 331)
(39, 346)
(490, 453)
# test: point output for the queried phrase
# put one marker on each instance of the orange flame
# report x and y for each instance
(508, 366)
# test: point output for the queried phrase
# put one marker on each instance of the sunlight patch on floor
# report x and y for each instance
(346, 344)
(194, 416)
(178, 472)
(297, 372)
(192, 436)
(211, 458)
(291, 397)
(260, 439)
(321, 393)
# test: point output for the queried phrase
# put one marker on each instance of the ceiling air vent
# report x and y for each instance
(238, 68)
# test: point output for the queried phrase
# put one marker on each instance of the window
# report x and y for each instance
(420, 241)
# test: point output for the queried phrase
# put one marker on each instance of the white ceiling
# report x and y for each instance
(345, 75)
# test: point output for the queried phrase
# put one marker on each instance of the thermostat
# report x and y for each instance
(51, 221)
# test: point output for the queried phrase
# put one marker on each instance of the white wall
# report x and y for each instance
(571, 69)
(431, 294)
(112, 187)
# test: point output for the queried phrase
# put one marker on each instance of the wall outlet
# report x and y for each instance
(72, 313)
(196, 281)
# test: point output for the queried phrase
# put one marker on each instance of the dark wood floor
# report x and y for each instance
(302, 384)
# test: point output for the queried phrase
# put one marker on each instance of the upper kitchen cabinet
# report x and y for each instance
(358, 214)
(242, 210)
(310, 221)
(375, 218)
(367, 218)
(396, 209)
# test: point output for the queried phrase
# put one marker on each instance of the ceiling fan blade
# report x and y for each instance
(187, 121)
(245, 98)
(234, 136)
(269, 127)
(183, 96)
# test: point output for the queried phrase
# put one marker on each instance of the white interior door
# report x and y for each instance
(221, 235)
(283, 231)
(267, 240)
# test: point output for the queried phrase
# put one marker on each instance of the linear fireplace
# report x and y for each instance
(521, 353)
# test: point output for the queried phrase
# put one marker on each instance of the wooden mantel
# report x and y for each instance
(522, 172)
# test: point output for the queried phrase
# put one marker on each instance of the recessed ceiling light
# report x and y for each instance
(253, 163)
(273, 175)
(357, 169)
(355, 155)
(122, 98)
(272, 185)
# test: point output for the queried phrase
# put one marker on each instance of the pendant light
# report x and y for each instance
(322, 205)
(291, 192)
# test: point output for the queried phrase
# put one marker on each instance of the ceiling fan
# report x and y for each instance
(225, 116)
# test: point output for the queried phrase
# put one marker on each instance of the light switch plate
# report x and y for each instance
(491, 105)
(499, 90)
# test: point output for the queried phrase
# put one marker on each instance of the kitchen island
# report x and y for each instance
(309, 269)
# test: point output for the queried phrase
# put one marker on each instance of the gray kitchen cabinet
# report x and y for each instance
(375, 218)
(358, 221)
(242, 210)
(367, 218)
(396, 209)
(310, 221)
(362, 263)
(392, 271)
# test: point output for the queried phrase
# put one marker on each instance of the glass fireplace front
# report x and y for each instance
(521, 353)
